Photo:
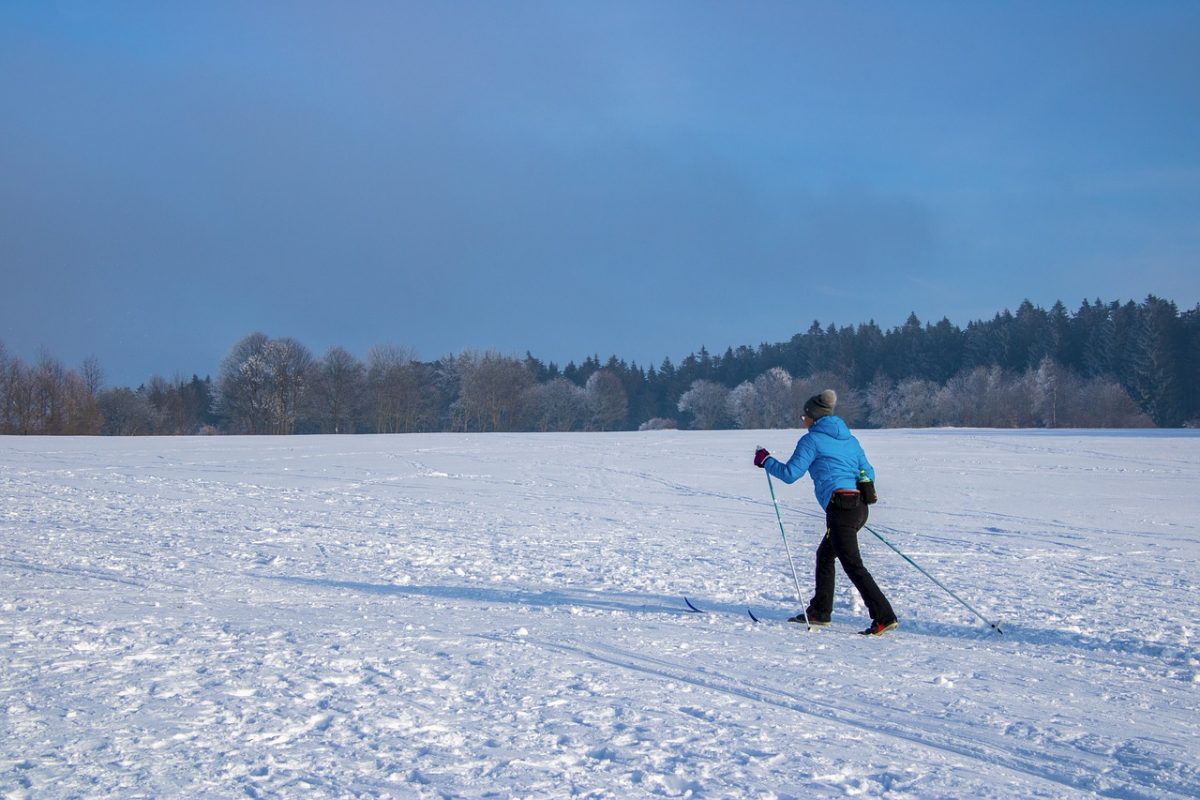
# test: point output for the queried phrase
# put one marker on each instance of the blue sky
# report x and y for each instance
(578, 178)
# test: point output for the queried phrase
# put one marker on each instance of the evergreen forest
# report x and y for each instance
(1105, 365)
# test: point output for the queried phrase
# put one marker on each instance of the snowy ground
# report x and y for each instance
(500, 616)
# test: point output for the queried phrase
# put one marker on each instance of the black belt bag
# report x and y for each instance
(847, 501)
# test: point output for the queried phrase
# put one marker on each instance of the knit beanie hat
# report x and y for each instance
(821, 405)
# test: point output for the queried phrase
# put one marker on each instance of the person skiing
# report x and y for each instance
(843, 480)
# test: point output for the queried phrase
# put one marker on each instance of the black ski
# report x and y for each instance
(692, 609)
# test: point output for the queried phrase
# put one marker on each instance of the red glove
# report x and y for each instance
(760, 456)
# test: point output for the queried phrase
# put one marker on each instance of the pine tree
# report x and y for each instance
(1154, 380)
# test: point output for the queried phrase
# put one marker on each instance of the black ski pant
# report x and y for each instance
(841, 544)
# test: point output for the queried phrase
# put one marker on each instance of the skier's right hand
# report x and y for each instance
(760, 457)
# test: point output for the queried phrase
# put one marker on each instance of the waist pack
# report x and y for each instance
(847, 501)
(867, 490)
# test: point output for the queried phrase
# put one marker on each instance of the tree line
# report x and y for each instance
(1106, 365)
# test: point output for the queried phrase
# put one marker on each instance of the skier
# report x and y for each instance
(844, 483)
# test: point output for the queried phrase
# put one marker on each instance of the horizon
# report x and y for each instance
(182, 374)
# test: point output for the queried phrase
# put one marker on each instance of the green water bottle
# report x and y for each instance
(866, 488)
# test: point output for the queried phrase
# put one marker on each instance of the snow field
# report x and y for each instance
(502, 616)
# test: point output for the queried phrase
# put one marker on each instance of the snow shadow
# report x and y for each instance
(629, 602)
(1169, 655)
(1165, 654)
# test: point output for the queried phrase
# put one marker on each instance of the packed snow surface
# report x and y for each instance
(503, 616)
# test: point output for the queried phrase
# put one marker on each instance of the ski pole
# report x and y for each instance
(775, 502)
(994, 625)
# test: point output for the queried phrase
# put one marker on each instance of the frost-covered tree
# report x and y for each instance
(973, 398)
(768, 402)
(262, 384)
(987, 398)
(916, 404)
(744, 406)
(1046, 384)
(243, 385)
(707, 402)
(607, 402)
(909, 403)
(877, 400)
(556, 406)
(777, 401)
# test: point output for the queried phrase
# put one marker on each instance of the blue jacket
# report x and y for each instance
(831, 454)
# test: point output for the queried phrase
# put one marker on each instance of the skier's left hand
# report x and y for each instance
(760, 456)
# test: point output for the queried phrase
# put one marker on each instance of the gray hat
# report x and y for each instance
(820, 405)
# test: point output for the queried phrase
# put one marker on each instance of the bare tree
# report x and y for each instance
(290, 367)
(49, 398)
(338, 387)
(19, 405)
(125, 413)
(49, 395)
(87, 410)
(403, 395)
(166, 412)
(8, 376)
(1101, 403)
(491, 391)
(92, 375)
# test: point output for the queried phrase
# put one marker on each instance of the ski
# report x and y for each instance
(693, 609)
(788, 621)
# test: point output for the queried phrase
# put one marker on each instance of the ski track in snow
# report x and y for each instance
(502, 615)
